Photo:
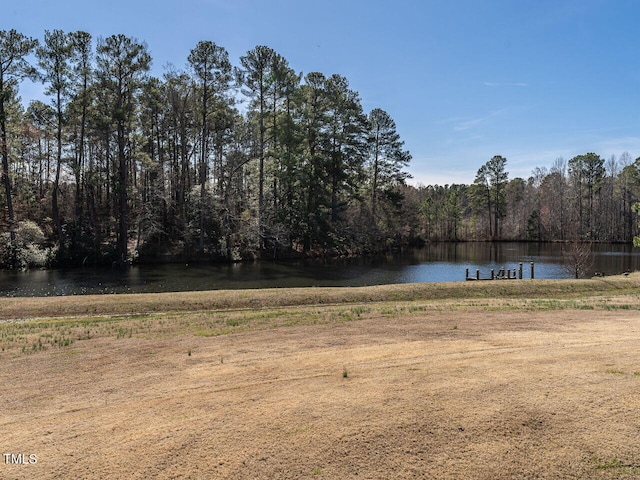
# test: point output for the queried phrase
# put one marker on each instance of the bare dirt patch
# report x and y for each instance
(377, 391)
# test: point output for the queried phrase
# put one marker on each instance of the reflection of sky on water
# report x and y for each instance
(437, 263)
(444, 272)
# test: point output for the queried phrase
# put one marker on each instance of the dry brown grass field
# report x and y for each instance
(487, 380)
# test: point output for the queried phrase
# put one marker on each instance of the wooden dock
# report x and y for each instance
(509, 274)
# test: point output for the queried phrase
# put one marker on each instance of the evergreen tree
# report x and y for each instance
(79, 111)
(387, 157)
(347, 143)
(312, 119)
(54, 60)
(256, 78)
(212, 71)
(588, 171)
(122, 65)
(492, 179)
(14, 47)
(284, 142)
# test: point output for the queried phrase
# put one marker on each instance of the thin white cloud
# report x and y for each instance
(505, 84)
(468, 124)
(444, 121)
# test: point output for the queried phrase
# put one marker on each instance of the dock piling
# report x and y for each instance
(503, 273)
(532, 271)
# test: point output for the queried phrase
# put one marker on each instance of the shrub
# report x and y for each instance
(27, 251)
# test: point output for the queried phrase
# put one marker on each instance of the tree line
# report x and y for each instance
(584, 199)
(212, 161)
(254, 160)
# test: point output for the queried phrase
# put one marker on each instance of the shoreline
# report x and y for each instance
(13, 308)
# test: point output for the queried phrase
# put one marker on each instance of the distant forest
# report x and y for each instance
(228, 162)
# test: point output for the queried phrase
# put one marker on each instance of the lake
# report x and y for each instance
(443, 262)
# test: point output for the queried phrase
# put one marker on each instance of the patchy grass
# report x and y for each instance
(327, 383)
(209, 314)
(538, 291)
(617, 467)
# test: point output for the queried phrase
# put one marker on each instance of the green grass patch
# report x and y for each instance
(617, 466)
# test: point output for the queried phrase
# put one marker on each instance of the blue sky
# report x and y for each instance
(531, 80)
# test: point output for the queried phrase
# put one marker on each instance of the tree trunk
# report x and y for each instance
(5, 165)
(56, 184)
(122, 247)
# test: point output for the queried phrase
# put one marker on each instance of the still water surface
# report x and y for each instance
(445, 262)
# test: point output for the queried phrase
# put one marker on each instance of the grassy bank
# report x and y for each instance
(486, 380)
(129, 304)
(30, 325)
